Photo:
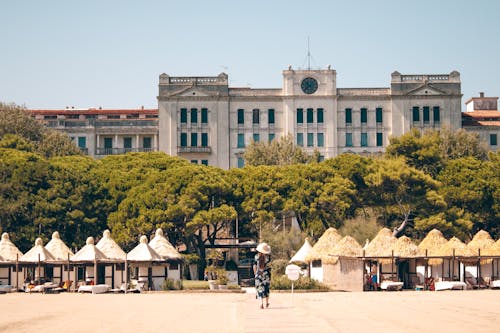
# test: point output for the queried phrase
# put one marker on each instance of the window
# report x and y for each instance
(82, 142)
(90, 116)
(493, 140)
(194, 161)
(184, 116)
(271, 137)
(348, 139)
(108, 143)
(194, 115)
(379, 140)
(416, 114)
(241, 116)
(364, 139)
(300, 139)
(184, 140)
(194, 139)
(310, 139)
(319, 115)
(204, 116)
(241, 140)
(300, 116)
(127, 143)
(80, 273)
(256, 116)
(270, 116)
(437, 116)
(204, 162)
(426, 114)
(348, 116)
(256, 137)
(310, 116)
(49, 117)
(321, 140)
(113, 116)
(378, 115)
(204, 139)
(241, 162)
(133, 116)
(364, 115)
(146, 142)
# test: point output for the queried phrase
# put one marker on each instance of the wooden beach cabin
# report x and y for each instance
(89, 263)
(114, 267)
(343, 269)
(10, 271)
(171, 268)
(60, 268)
(141, 259)
(319, 251)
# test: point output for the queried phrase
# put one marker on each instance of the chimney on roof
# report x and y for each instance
(142, 107)
(100, 108)
(481, 94)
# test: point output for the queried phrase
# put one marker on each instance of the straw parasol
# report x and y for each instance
(453, 247)
(38, 253)
(89, 253)
(405, 248)
(57, 248)
(301, 254)
(325, 243)
(432, 242)
(163, 247)
(109, 247)
(346, 247)
(481, 241)
(143, 252)
(381, 246)
(8, 251)
(493, 250)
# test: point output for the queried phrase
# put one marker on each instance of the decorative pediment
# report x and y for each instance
(191, 91)
(426, 90)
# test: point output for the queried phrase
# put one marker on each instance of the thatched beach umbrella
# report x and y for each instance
(382, 246)
(481, 241)
(405, 248)
(300, 256)
(432, 242)
(323, 246)
(36, 255)
(454, 247)
(164, 248)
(492, 251)
(8, 251)
(110, 248)
(346, 247)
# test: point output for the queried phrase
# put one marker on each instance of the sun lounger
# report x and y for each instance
(6, 288)
(474, 284)
(495, 284)
(391, 285)
(449, 285)
(94, 289)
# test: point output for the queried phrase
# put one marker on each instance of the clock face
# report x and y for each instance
(309, 85)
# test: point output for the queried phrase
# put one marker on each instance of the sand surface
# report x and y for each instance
(408, 311)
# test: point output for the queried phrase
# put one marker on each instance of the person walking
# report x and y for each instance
(262, 273)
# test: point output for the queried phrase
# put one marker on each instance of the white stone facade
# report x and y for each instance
(204, 120)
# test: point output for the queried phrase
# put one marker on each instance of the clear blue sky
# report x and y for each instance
(110, 53)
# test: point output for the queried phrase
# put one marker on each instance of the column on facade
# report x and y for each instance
(137, 142)
(155, 142)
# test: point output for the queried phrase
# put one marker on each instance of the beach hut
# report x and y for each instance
(380, 256)
(61, 264)
(320, 250)
(171, 269)
(10, 273)
(454, 256)
(114, 267)
(300, 256)
(35, 261)
(87, 260)
(428, 269)
(479, 243)
(141, 260)
(343, 269)
(492, 255)
(407, 253)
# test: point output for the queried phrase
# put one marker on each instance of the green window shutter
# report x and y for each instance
(241, 140)
(256, 137)
(204, 116)
(184, 115)
(310, 116)
(493, 140)
(300, 139)
(300, 116)
(204, 162)
(319, 115)
(310, 139)
(82, 142)
(437, 116)
(204, 139)
(271, 137)
(194, 139)
(348, 139)
(146, 142)
(416, 114)
(241, 162)
(270, 116)
(379, 140)
(426, 114)
(256, 116)
(364, 139)
(184, 139)
(194, 115)
(378, 115)
(321, 140)
(241, 116)
(127, 143)
(364, 115)
(348, 116)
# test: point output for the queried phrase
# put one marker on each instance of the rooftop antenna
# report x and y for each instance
(308, 55)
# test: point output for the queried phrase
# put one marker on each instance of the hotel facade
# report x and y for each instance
(205, 121)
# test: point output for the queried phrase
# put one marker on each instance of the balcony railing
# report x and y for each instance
(102, 123)
(194, 149)
(118, 151)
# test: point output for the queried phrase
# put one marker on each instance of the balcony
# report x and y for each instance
(194, 149)
(119, 151)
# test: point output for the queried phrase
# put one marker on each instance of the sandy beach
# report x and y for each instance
(408, 311)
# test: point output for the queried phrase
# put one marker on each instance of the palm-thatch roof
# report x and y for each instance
(163, 247)
(453, 247)
(346, 247)
(8, 251)
(481, 241)
(301, 254)
(57, 248)
(109, 247)
(89, 253)
(405, 248)
(493, 250)
(381, 246)
(432, 242)
(37, 253)
(143, 252)
(324, 245)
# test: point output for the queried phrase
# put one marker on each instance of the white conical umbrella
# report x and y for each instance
(57, 248)
(143, 252)
(37, 253)
(8, 251)
(301, 254)
(89, 253)
(163, 247)
(109, 247)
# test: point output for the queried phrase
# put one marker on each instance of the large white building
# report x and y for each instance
(205, 121)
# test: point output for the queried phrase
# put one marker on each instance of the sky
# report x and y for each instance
(110, 53)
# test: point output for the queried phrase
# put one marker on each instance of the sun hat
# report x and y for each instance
(264, 248)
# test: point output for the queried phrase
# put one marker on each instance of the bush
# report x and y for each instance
(278, 266)
(170, 284)
(281, 282)
(194, 285)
